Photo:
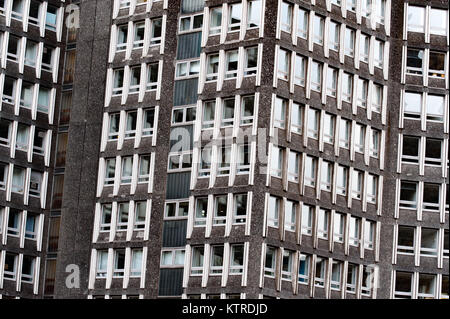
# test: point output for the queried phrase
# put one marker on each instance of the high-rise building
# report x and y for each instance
(224, 149)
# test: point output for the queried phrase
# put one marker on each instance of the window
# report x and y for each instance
(110, 171)
(344, 133)
(187, 69)
(416, 19)
(429, 243)
(156, 32)
(2, 7)
(228, 113)
(48, 58)
(197, 261)
(270, 263)
(332, 81)
(119, 263)
(310, 171)
(321, 266)
(357, 180)
(362, 92)
(205, 162)
(316, 76)
(179, 162)
(243, 159)
(215, 22)
(437, 65)
(51, 18)
(360, 138)
(216, 260)
(102, 264)
(339, 225)
(303, 269)
(329, 127)
(438, 21)
(427, 286)
(251, 61)
(286, 17)
(191, 23)
(273, 212)
(433, 152)
(435, 108)
(254, 14)
(377, 98)
(280, 113)
(122, 216)
(313, 123)
(3, 178)
(177, 209)
(39, 142)
(408, 195)
(212, 71)
(349, 42)
(122, 37)
(283, 64)
(414, 61)
(276, 167)
(22, 138)
(287, 265)
(118, 82)
(318, 30)
(336, 275)
(5, 132)
(152, 76)
(290, 215)
(352, 274)
(234, 17)
(410, 154)
(136, 263)
(300, 70)
(139, 31)
(14, 46)
(14, 222)
(131, 122)
(172, 258)
(10, 270)
(237, 259)
(403, 285)
(296, 118)
(355, 231)
(43, 103)
(372, 187)
(35, 184)
(201, 211)
(247, 110)
(342, 180)
(231, 64)
(333, 39)
(302, 23)
(380, 11)
(369, 234)
(28, 269)
(431, 197)
(367, 280)
(379, 53)
(405, 240)
(444, 287)
(347, 87)
(220, 209)
(293, 166)
(446, 243)
(127, 170)
(18, 180)
(31, 52)
(105, 219)
(324, 221)
(307, 217)
(184, 115)
(135, 79)
(9, 90)
(327, 176)
(144, 169)
(240, 209)
(149, 120)
(412, 105)
(351, 5)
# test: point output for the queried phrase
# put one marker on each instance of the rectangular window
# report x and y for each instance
(135, 80)
(403, 285)
(144, 169)
(205, 162)
(287, 265)
(357, 180)
(349, 42)
(321, 267)
(122, 37)
(324, 221)
(178, 209)
(437, 65)
(152, 76)
(251, 61)
(336, 275)
(431, 197)
(191, 23)
(9, 90)
(302, 23)
(14, 222)
(290, 216)
(28, 269)
(22, 138)
(127, 170)
(14, 46)
(276, 166)
(438, 21)
(360, 138)
(118, 82)
(352, 275)
(280, 113)
(329, 127)
(5, 132)
(416, 19)
(270, 263)
(316, 76)
(179, 162)
(254, 14)
(433, 152)
(216, 267)
(122, 216)
(119, 263)
(18, 180)
(201, 211)
(362, 93)
(209, 110)
(110, 171)
(342, 180)
(215, 20)
(220, 210)
(372, 189)
(318, 30)
(51, 18)
(313, 123)
(355, 231)
(412, 105)
(105, 219)
(247, 110)
(183, 115)
(234, 17)
(243, 159)
(156, 32)
(307, 217)
(435, 108)
(369, 234)
(327, 176)
(408, 195)
(310, 171)
(136, 263)
(379, 54)
(3, 178)
(10, 269)
(131, 123)
(231, 69)
(297, 118)
(237, 259)
(284, 58)
(102, 264)
(344, 134)
(212, 71)
(139, 31)
(429, 243)
(303, 269)
(427, 286)
(300, 70)
(286, 17)
(187, 69)
(273, 211)
(35, 184)
(172, 258)
(377, 98)
(339, 225)
(149, 122)
(48, 58)
(293, 166)
(31, 53)
(414, 61)
(347, 87)
(332, 76)
(228, 113)
(333, 38)
(197, 260)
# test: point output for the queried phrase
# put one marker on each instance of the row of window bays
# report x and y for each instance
(29, 53)
(430, 66)
(300, 269)
(131, 7)
(343, 41)
(22, 224)
(29, 183)
(21, 269)
(294, 220)
(425, 19)
(329, 81)
(415, 285)
(34, 14)
(420, 243)
(21, 94)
